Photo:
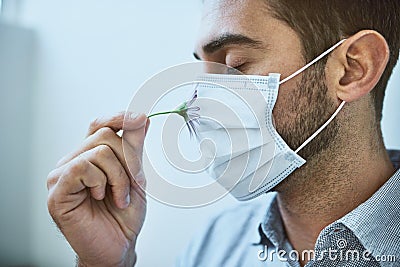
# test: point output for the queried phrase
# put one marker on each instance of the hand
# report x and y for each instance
(94, 198)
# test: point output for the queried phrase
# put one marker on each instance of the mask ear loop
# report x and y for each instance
(337, 110)
(321, 128)
(312, 62)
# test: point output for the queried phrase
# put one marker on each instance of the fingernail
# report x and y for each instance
(133, 115)
(127, 200)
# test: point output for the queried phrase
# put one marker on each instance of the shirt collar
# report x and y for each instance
(375, 222)
(395, 158)
(272, 226)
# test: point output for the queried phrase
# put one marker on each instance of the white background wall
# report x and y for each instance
(91, 56)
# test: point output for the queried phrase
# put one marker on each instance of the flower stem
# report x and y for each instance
(162, 113)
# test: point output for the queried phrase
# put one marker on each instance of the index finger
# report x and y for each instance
(121, 121)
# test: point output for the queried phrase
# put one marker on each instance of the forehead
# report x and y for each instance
(251, 18)
(279, 43)
(220, 16)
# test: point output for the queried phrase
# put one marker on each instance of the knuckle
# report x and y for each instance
(60, 162)
(55, 214)
(52, 178)
(105, 133)
(51, 206)
(77, 167)
(103, 151)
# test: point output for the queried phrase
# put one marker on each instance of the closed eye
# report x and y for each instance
(239, 68)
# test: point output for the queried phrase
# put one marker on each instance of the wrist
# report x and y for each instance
(129, 262)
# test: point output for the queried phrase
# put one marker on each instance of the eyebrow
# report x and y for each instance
(229, 39)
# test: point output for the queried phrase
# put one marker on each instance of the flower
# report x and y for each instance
(188, 112)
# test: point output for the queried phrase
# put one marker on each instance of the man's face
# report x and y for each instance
(243, 34)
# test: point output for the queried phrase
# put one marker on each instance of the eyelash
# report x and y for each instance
(237, 63)
(240, 67)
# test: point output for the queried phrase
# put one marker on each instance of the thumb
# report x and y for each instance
(135, 136)
(133, 141)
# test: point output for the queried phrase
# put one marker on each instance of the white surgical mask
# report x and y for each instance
(241, 147)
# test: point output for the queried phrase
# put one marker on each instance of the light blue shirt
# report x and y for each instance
(252, 235)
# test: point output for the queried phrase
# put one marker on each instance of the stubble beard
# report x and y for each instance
(312, 108)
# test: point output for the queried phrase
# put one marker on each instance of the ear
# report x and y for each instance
(356, 66)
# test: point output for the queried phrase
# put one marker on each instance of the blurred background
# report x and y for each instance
(64, 63)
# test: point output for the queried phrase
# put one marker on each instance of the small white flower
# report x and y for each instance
(188, 112)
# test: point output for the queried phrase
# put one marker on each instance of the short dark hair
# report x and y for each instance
(321, 23)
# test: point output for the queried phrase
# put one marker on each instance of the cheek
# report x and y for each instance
(286, 106)
(280, 115)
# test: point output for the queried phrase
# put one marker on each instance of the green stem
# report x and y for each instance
(162, 113)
